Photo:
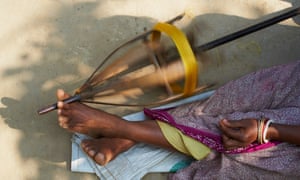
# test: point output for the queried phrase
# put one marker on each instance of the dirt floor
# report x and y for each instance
(46, 45)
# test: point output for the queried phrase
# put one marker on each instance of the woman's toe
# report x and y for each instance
(91, 153)
(100, 159)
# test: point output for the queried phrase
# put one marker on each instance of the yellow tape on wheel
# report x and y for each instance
(185, 51)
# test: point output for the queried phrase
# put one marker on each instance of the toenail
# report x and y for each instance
(65, 126)
(100, 159)
(100, 156)
(92, 153)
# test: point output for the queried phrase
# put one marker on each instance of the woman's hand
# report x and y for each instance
(238, 133)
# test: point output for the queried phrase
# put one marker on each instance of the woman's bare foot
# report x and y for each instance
(77, 117)
(103, 150)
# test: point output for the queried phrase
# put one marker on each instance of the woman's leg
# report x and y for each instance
(77, 117)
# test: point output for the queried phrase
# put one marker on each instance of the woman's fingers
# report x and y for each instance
(232, 131)
(238, 133)
(232, 123)
(230, 143)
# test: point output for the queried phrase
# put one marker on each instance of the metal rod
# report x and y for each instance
(54, 106)
(249, 30)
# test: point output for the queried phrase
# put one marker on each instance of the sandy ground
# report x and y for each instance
(50, 44)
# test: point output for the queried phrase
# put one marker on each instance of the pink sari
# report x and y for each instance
(273, 93)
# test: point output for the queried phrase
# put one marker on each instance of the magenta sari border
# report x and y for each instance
(211, 140)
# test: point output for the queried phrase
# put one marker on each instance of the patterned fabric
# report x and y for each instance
(183, 143)
(273, 93)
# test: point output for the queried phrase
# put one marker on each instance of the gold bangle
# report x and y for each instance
(260, 129)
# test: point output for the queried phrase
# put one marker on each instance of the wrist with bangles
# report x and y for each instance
(263, 125)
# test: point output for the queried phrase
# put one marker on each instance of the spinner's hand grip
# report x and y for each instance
(52, 107)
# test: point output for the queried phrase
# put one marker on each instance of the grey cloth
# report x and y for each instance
(273, 93)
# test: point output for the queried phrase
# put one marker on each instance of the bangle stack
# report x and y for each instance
(263, 125)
